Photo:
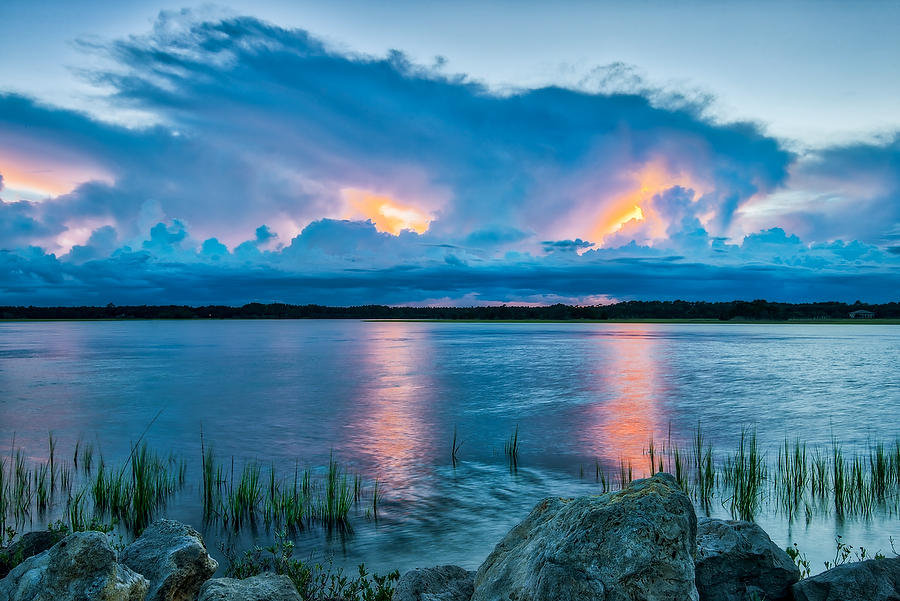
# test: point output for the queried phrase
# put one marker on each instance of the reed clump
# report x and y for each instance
(802, 480)
(293, 501)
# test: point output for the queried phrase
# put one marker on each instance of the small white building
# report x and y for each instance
(862, 314)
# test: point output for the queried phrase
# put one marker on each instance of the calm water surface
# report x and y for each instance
(385, 398)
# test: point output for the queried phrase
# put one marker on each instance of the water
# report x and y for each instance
(385, 398)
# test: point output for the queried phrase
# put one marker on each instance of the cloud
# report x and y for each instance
(102, 243)
(849, 192)
(565, 245)
(327, 121)
(21, 225)
(129, 277)
(280, 168)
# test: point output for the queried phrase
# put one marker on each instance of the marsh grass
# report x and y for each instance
(802, 480)
(792, 475)
(294, 500)
(51, 458)
(76, 511)
(212, 481)
(41, 487)
(87, 457)
(376, 497)
(626, 473)
(4, 498)
(137, 490)
(511, 448)
(879, 469)
(705, 469)
(455, 445)
(334, 505)
(681, 468)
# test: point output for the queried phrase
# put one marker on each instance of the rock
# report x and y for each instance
(633, 544)
(29, 545)
(172, 556)
(81, 567)
(737, 560)
(265, 587)
(872, 580)
(441, 583)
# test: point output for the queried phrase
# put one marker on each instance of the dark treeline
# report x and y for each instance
(734, 310)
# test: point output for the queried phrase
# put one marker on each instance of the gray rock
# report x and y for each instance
(633, 544)
(172, 556)
(81, 567)
(265, 587)
(873, 580)
(29, 545)
(441, 583)
(737, 560)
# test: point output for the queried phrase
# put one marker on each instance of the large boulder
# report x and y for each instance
(873, 580)
(737, 561)
(29, 545)
(81, 567)
(441, 583)
(172, 556)
(265, 587)
(637, 543)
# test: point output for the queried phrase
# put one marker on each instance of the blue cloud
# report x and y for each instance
(129, 277)
(102, 243)
(21, 224)
(565, 245)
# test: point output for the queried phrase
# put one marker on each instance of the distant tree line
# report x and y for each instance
(725, 311)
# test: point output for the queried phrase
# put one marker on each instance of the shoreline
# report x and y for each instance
(847, 321)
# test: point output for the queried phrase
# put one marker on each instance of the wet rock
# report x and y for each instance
(737, 560)
(81, 567)
(441, 583)
(29, 545)
(633, 544)
(873, 580)
(265, 587)
(172, 556)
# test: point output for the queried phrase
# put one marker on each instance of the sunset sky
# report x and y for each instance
(436, 153)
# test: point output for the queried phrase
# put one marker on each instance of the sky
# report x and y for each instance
(431, 153)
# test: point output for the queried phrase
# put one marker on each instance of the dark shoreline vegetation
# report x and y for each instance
(81, 488)
(757, 310)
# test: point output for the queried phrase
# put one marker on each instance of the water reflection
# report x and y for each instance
(628, 385)
(391, 422)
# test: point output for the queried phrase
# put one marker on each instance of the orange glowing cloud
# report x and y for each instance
(36, 179)
(646, 182)
(385, 212)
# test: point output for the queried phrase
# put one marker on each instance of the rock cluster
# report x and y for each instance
(642, 543)
(81, 566)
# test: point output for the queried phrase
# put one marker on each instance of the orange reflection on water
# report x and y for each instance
(391, 426)
(628, 410)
